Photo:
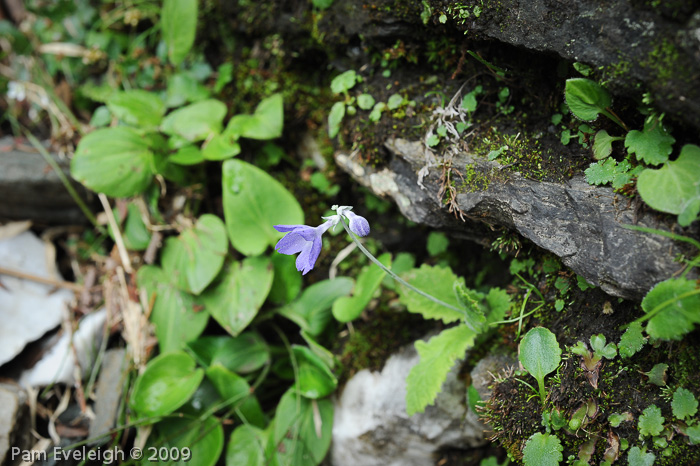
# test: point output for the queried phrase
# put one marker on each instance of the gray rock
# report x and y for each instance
(112, 375)
(371, 426)
(31, 190)
(580, 223)
(14, 422)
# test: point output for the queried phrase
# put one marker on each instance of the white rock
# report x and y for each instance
(27, 309)
(371, 426)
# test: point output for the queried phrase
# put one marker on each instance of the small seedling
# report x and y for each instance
(543, 450)
(632, 340)
(591, 361)
(651, 422)
(657, 374)
(684, 404)
(540, 354)
(617, 419)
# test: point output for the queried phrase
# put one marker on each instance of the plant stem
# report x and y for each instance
(540, 384)
(402, 281)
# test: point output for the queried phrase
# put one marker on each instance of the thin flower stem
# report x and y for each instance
(401, 280)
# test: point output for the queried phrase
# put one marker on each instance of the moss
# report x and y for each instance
(378, 337)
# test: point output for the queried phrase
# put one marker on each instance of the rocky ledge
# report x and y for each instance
(584, 225)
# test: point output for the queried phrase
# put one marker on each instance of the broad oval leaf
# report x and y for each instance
(298, 421)
(586, 99)
(437, 357)
(196, 121)
(195, 257)
(235, 391)
(169, 380)
(246, 447)
(179, 26)
(312, 310)
(543, 450)
(287, 283)
(203, 437)
(220, 148)
(346, 309)
(174, 315)
(187, 155)
(253, 203)
(315, 378)
(235, 300)
(674, 185)
(243, 354)
(539, 352)
(115, 161)
(137, 108)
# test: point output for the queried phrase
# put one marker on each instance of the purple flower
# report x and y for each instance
(302, 239)
(358, 225)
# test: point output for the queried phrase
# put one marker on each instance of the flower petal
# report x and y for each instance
(286, 228)
(292, 243)
(309, 254)
(358, 225)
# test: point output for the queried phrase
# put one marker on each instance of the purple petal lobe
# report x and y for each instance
(292, 243)
(286, 228)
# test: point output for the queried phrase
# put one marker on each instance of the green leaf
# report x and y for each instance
(266, 123)
(312, 310)
(376, 114)
(394, 102)
(684, 404)
(439, 282)
(287, 282)
(174, 316)
(236, 392)
(246, 447)
(632, 340)
(543, 450)
(694, 434)
(183, 88)
(315, 379)
(220, 148)
(601, 172)
(469, 102)
(302, 430)
(599, 347)
(243, 354)
(168, 381)
(253, 203)
(636, 457)
(196, 121)
(586, 99)
(433, 140)
(437, 243)
(335, 117)
(346, 309)
(137, 108)
(115, 161)
(653, 146)
(179, 26)
(657, 374)
(651, 422)
(204, 439)
(602, 144)
(322, 4)
(437, 357)
(365, 101)
(135, 234)
(675, 185)
(344, 82)
(239, 293)
(540, 354)
(187, 155)
(672, 307)
(498, 302)
(473, 399)
(195, 257)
